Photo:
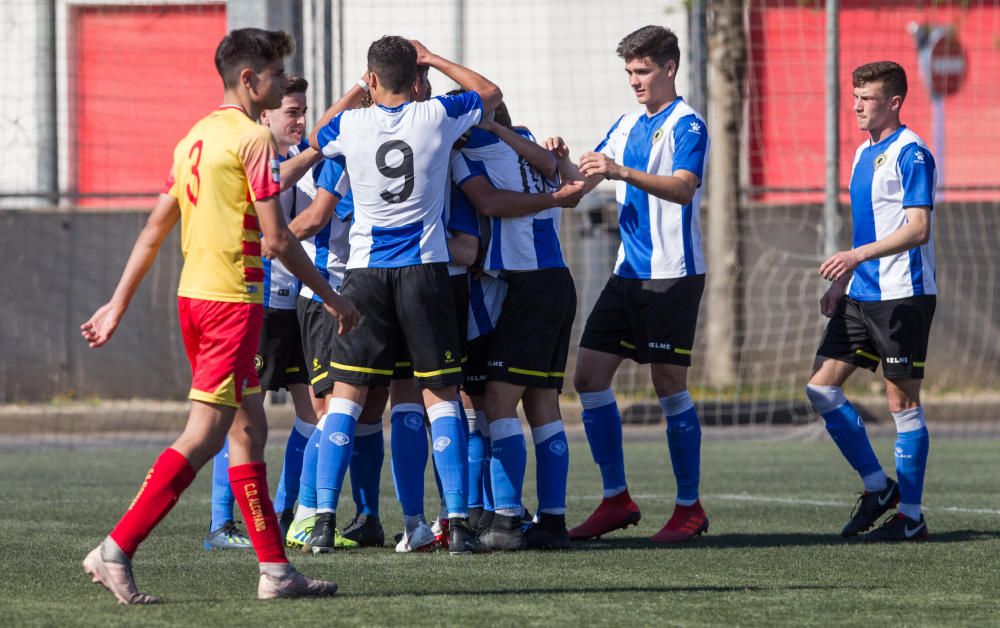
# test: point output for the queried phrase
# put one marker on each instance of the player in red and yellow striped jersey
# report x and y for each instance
(223, 188)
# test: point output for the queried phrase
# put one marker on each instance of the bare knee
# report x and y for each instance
(668, 379)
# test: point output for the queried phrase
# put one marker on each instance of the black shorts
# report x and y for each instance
(531, 340)
(893, 332)
(474, 367)
(403, 367)
(315, 326)
(279, 360)
(411, 302)
(646, 320)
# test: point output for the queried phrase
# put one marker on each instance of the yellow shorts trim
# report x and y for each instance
(360, 369)
(292, 369)
(400, 364)
(919, 364)
(216, 400)
(682, 351)
(511, 369)
(457, 369)
(627, 345)
(319, 377)
(865, 354)
(253, 390)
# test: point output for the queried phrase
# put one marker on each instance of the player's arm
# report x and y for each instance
(286, 247)
(102, 325)
(678, 187)
(540, 158)
(568, 171)
(469, 80)
(464, 248)
(494, 202)
(298, 166)
(313, 218)
(352, 98)
(916, 232)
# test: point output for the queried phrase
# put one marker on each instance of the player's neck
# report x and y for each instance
(283, 148)
(391, 100)
(244, 102)
(883, 132)
(654, 108)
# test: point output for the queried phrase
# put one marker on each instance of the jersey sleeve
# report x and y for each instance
(607, 145)
(462, 112)
(329, 138)
(463, 216)
(260, 161)
(464, 167)
(170, 185)
(916, 171)
(690, 146)
(334, 178)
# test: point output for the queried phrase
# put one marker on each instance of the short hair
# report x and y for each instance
(394, 60)
(296, 85)
(889, 73)
(656, 42)
(250, 48)
(500, 115)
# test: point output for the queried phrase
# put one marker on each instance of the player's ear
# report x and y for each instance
(248, 78)
(373, 81)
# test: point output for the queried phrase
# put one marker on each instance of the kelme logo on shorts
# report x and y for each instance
(557, 447)
(414, 421)
(441, 443)
(339, 439)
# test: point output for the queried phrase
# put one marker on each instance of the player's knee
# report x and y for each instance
(825, 398)
(585, 381)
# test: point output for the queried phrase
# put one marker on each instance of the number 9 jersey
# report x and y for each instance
(397, 161)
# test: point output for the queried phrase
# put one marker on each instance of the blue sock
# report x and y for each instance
(684, 443)
(409, 456)
(477, 458)
(222, 494)
(510, 457)
(451, 455)
(291, 470)
(552, 461)
(912, 445)
(487, 474)
(603, 425)
(845, 426)
(366, 467)
(310, 459)
(335, 448)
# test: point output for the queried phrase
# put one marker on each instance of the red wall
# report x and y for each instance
(140, 77)
(786, 90)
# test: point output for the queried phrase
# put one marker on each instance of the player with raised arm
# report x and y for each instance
(528, 349)
(881, 304)
(397, 154)
(648, 310)
(223, 188)
(279, 361)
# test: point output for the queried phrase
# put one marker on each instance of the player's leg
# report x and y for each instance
(901, 329)
(222, 531)
(302, 524)
(847, 345)
(302, 430)
(473, 405)
(408, 444)
(366, 472)
(508, 461)
(541, 406)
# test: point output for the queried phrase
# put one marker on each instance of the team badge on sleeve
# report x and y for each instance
(276, 171)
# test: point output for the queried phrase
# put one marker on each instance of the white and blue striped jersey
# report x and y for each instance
(459, 217)
(281, 287)
(660, 239)
(486, 294)
(397, 160)
(329, 248)
(521, 243)
(888, 177)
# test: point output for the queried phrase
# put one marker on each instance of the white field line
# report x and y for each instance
(790, 501)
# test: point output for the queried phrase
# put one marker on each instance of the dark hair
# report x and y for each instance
(655, 42)
(500, 115)
(394, 60)
(889, 73)
(296, 85)
(250, 48)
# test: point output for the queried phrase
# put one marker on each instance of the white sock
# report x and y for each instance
(304, 512)
(876, 481)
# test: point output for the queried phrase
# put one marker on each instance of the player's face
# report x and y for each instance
(271, 84)
(873, 108)
(288, 123)
(651, 82)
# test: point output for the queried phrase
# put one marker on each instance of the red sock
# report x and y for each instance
(249, 482)
(166, 480)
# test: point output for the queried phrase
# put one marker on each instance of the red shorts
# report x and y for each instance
(221, 340)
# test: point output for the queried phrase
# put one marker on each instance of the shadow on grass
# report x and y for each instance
(779, 539)
(592, 589)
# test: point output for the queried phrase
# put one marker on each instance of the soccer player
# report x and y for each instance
(279, 361)
(223, 187)
(528, 349)
(397, 154)
(648, 309)
(881, 304)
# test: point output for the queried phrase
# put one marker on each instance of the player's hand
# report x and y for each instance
(839, 265)
(265, 250)
(424, 56)
(488, 124)
(831, 299)
(344, 311)
(569, 193)
(558, 147)
(599, 164)
(102, 325)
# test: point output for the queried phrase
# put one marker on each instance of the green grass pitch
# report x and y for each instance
(772, 556)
